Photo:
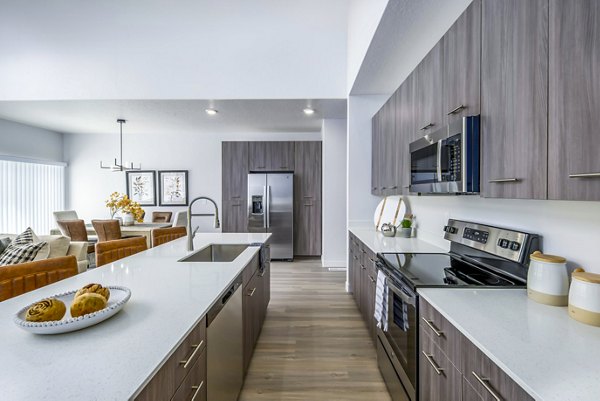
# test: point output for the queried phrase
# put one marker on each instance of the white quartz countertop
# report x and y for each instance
(114, 359)
(550, 355)
(376, 242)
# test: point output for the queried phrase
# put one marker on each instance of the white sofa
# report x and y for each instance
(59, 245)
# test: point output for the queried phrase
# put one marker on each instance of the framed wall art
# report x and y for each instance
(173, 188)
(141, 187)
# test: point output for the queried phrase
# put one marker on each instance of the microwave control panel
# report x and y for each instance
(451, 159)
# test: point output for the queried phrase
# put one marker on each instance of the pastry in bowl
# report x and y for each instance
(89, 302)
(46, 310)
(94, 288)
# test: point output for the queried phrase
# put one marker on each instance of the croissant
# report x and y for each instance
(46, 310)
(94, 288)
(87, 303)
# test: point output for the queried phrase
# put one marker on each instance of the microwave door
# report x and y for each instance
(424, 168)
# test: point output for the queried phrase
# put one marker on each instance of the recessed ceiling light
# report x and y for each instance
(308, 111)
(211, 112)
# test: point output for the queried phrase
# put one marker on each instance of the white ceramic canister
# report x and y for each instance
(547, 279)
(584, 298)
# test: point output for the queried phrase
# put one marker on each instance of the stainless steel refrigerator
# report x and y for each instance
(271, 210)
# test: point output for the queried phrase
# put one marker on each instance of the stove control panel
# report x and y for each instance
(509, 244)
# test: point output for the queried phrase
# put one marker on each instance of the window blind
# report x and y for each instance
(29, 193)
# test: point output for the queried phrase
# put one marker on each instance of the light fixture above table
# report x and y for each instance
(120, 166)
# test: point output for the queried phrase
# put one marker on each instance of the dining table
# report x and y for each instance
(135, 230)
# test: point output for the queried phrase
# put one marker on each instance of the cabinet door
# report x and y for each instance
(429, 91)
(388, 149)
(514, 106)
(376, 124)
(308, 171)
(307, 227)
(235, 170)
(438, 377)
(280, 156)
(406, 131)
(356, 270)
(462, 56)
(235, 216)
(574, 118)
(251, 317)
(258, 159)
(265, 283)
(469, 393)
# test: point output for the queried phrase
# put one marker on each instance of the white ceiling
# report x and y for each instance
(168, 116)
(183, 49)
(407, 31)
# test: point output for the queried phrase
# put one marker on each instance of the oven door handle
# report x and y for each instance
(439, 160)
(411, 300)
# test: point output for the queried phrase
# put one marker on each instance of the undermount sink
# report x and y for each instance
(216, 253)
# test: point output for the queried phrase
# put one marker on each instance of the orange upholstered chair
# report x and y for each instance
(24, 277)
(163, 235)
(109, 251)
(75, 229)
(107, 230)
(161, 217)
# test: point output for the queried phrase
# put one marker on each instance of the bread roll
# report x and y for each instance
(46, 310)
(94, 288)
(87, 303)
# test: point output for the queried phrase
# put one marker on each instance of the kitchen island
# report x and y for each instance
(114, 360)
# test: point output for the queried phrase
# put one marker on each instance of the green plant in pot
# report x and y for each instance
(406, 227)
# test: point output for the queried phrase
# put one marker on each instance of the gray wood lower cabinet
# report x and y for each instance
(514, 106)
(235, 216)
(574, 100)
(451, 367)
(307, 227)
(363, 280)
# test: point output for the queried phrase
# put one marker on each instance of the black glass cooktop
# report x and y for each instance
(439, 270)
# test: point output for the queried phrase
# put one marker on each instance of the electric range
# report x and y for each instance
(480, 256)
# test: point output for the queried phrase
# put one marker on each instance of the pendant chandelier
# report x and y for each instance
(119, 166)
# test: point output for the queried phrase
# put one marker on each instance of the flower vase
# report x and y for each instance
(128, 219)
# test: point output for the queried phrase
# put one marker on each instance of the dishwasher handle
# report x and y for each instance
(222, 301)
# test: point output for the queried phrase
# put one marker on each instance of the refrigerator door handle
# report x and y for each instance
(265, 207)
(268, 210)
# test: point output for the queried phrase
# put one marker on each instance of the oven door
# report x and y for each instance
(400, 338)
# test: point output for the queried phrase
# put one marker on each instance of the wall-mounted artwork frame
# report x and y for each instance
(141, 186)
(173, 187)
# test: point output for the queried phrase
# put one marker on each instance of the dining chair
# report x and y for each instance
(180, 219)
(161, 217)
(164, 235)
(76, 230)
(64, 215)
(24, 277)
(107, 230)
(110, 251)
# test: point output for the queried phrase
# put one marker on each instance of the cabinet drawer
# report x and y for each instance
(168, 378)
(193, 387)
(250, 269)
(486, 378)
(442, 332)
(438, 377)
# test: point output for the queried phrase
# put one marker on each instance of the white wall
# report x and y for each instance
(363, 18)
(189, 49)
(334, 193)
(30, 142)
(199, 153)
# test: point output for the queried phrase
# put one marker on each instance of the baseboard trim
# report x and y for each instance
(334, 263)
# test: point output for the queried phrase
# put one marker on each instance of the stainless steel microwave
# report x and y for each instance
(447, 160)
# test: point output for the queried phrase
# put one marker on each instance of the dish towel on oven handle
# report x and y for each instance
(381, 300)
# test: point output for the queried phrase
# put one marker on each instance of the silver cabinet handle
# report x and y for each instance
(372, 279)
(584, 175)
(456, 110)
(362, 267)
(429, 125)
(197, 388)
(251, 292)
(429, 323)
(485, 383)
(187, 362)
(262, 274)
(406, 186)
(500, 180)
(308, 204)
(429, 358)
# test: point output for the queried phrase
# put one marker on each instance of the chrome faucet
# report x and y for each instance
(192, 234)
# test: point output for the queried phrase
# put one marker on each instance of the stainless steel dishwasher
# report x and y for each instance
(224, 346)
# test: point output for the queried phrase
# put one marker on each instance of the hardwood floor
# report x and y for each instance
(314, 345)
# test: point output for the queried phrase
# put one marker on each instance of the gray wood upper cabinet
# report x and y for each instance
(514, 106)
(574, 100)
(280, 156)
(376, 176)
(258, 156)
(462, 59)
(405, 130)
(429, 90)
(308, 169)
(388, 145)
(235, 170)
